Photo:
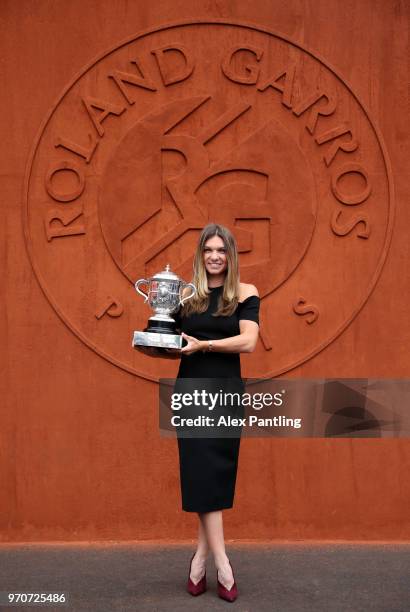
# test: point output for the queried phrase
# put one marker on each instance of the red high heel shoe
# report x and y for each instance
(227, 594)
(200, 587)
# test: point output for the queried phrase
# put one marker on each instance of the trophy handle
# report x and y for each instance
(188, 297)
(139, 282)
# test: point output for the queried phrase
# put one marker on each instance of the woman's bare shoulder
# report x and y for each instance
(246, 290)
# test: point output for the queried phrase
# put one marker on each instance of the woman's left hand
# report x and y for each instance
(193, 345)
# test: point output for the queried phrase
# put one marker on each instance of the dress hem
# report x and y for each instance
(209, 509)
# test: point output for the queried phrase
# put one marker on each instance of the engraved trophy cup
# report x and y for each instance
(164, 295)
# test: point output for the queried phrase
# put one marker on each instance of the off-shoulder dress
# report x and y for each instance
(208, 466)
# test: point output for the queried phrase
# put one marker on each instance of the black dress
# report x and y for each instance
(208, 466)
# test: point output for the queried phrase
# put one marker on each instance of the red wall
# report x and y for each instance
(80, 453)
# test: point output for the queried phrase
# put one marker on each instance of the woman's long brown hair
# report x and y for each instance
(228, 299)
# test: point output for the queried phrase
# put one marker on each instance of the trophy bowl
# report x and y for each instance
(164, 295)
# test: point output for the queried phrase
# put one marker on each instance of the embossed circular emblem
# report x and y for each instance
(199, 122)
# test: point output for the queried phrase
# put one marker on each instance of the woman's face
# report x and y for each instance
(215, 256)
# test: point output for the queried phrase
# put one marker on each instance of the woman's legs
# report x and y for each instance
(212, 523)
(199, 560)
(211, 537)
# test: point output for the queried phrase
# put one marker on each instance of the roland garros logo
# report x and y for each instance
(209, 121)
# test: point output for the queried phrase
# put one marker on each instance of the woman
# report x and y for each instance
(218, 323)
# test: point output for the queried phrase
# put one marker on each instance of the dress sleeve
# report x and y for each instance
(249, 309)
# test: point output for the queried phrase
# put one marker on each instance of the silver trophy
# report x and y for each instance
(164, 295)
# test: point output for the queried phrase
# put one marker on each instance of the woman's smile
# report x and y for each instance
(215, 248)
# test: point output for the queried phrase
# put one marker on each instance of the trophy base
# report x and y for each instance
(158, 340)
(160, 326)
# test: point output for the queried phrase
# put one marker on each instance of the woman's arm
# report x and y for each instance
(244, 342)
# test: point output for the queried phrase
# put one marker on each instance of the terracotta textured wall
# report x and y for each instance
(121, 138)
